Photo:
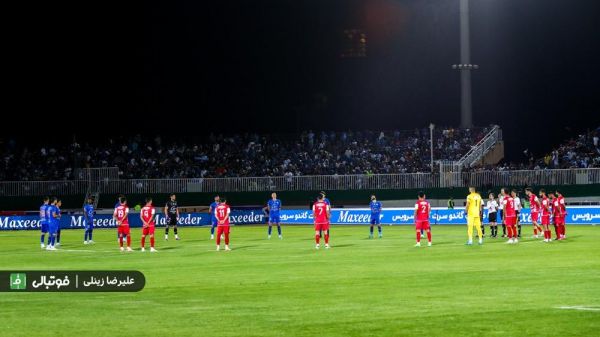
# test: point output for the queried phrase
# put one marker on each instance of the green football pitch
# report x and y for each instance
(359, 287)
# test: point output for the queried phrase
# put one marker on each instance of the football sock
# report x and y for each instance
(212, 230)
(128, 240)
(167, 230)
(143, 241)
(327, 238)
(317, 238)
(175, 230)
(152, 241)
(429, 236)
(418, 236)
(120, 241)
(226, 238)
(270, 229)
(42, 238)
(519, 226)
(279, 229)
(371, 230)
(58, 236)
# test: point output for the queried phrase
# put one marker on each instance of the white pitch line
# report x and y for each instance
(578, 307)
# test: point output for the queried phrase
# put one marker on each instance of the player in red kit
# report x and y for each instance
(120, 215)
(510, 216)
(321, 215)
(545, 210)
(422, 211)
(534, 206)
(222, 214)
(560, 213)
(147, 216)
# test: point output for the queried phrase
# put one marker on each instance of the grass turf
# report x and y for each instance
(360, 287)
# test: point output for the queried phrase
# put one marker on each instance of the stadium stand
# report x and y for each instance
(582, 151)
(248, 155)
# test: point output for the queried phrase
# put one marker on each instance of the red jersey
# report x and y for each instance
(422, 208)
(148, 215)
(561, 205)
(545, 206)
(509, 207)
(320, 211)
(222, 214)
(121, 213)
(533, 203)
(556, 207)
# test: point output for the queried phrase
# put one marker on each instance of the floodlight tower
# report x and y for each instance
(465, 67)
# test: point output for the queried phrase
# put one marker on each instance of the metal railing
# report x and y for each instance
(476, 153)
(537, 178)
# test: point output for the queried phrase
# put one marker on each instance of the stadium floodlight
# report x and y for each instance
(465, 67)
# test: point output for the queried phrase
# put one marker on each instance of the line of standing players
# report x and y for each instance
(547, 209)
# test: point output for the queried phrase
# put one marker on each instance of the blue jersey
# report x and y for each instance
(212, 208)
(327, 201)
(274, 206)
(50, 211)
(88, 209)
(375, 207)
(43, 215)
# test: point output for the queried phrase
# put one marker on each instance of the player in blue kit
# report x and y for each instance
(274, 206)
(58, 215)
(44, 220)
(88, 214)
(375, 216)
(53, 223)
(213, 219)
(325, 199)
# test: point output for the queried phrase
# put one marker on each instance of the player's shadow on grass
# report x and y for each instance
(245, 247)
(344, 245)
(442, 243)
(169, 247)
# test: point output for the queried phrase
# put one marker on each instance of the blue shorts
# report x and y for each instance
(274, 218)
(90, 225)
(44, 227)
(375, 219)
(214, 222)
(53, 228)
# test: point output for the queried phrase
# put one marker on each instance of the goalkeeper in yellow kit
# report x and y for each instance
(474, 209)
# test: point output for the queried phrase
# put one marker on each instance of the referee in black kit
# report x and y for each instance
(172, 215)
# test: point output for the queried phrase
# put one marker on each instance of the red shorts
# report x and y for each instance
(510, 221)
(222, 229)
(545, 219)
(124, 230)
(559, 220)
(422, 224)
(322, 226)
(535, 216)
(148, 230)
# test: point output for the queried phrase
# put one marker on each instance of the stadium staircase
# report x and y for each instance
(489, 150)
(95, 177)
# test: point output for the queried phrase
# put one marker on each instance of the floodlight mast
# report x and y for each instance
(465, 67)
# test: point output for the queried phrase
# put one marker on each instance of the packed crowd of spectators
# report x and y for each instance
(582, 151)
(247, 155)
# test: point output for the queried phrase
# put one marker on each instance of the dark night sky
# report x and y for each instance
(275, 66)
